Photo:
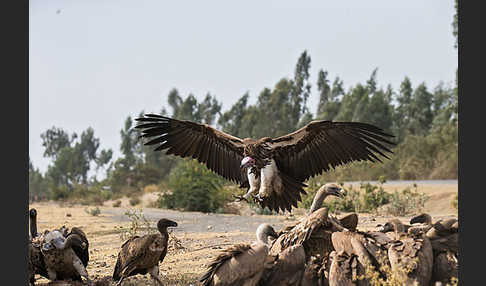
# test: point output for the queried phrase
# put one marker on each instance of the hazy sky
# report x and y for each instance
(93, 63)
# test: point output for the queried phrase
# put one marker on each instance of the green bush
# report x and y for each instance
(194, 188)
(454, 202)
(134, 201)
(117, 204)
(94, 211)
(407, 202)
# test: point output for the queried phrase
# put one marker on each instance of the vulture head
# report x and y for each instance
(421, 218)
(53, 240)
(329, 189)
(164, 223)
(247, 162)
(265, 230)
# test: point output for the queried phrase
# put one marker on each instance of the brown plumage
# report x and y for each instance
(314, 230)
(241, 264)
(343, 270)
(61, 261)
(287, 268)
(414, 252)
(316, 272)
(277, 167)
(394, 225)
(444, 239)
(367, 248)
(141, 255)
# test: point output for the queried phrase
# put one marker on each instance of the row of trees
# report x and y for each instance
(424, 121)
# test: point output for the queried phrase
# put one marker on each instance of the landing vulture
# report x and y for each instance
(276, 168)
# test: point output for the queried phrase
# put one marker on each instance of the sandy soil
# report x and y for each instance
(198, 238)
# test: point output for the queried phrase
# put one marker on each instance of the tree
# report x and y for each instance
(231, 120)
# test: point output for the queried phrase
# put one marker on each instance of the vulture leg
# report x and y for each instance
(254, 185)
(154, 273)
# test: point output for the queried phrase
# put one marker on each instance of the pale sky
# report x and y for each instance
(92, 63)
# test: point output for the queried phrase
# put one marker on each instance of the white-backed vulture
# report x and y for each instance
(411, 252)
(276, 168)
(142, 254)
(444, 238)
(61, 261)
(241, 264)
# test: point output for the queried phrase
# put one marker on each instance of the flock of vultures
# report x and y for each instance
(319, 249)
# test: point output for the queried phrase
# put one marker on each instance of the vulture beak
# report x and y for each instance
(338, 192)
(172, 224)
(247, 162)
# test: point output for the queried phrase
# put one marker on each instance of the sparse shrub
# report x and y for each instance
(406, 202)
(454, 201)
(139, 225)
(117, 203)
(93, 211)
(374, 195)
(134, 201)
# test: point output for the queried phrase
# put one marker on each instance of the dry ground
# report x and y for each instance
(199, 235)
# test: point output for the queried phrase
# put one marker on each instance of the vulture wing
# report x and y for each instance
(321, 145)
(221, 152)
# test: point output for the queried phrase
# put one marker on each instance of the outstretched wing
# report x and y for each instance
(321, 145)
(221, 152)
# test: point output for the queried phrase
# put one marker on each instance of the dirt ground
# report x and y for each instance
(198, 237)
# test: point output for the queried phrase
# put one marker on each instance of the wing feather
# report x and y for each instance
(321, 145)
(220, 152)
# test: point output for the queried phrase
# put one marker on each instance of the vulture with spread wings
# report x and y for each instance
(274, 169)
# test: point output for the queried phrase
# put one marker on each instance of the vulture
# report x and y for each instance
(241, 264)
(413, 251)
(273, 169)
(61, 261)
(141, 254)
(444, 238)
(316, 272)
(287, 268)
(35, 258)
(314, 230)
(354, 252)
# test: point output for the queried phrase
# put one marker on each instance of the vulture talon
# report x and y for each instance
(240, 198)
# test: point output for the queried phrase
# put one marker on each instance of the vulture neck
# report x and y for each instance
(318, 199)
(262, 237)
(33, 226)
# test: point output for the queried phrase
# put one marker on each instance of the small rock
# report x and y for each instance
(68, 215)
(210, 227)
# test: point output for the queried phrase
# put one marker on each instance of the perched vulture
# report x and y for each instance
(412, 252)
(314, 230)
(36, 263)
(276, 168)
(287, 268)
(444, 238)
(394, 225)
(241, 264)
(61, 261)
(141, 254)
(343, 270)
(355, 251)
(316, 272)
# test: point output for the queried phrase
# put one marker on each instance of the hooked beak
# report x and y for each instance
(338, 192)
(172, 224)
